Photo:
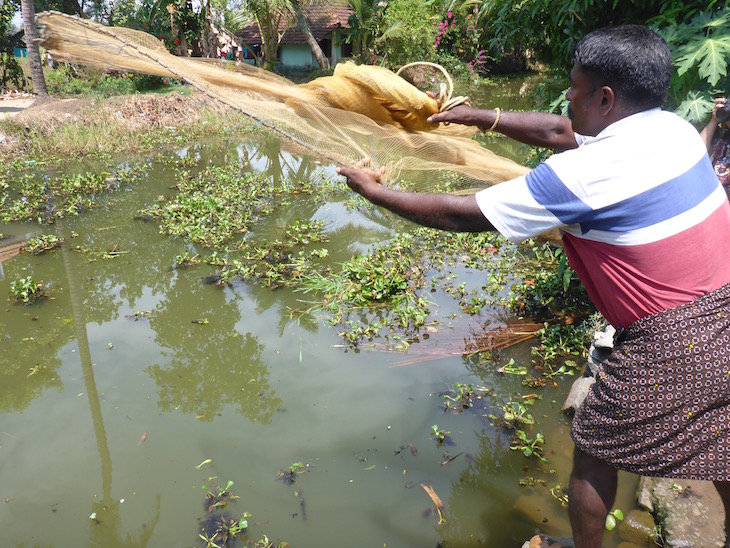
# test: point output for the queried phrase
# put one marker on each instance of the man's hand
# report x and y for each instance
(362, 180)
(442, 211)
(462, 114)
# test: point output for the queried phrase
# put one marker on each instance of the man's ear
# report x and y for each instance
(608, 100)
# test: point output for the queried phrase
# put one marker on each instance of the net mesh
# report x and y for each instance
(359, 111)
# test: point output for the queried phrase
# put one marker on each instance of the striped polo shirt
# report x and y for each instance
(645, 222)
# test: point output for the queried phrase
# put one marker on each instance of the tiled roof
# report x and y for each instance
(323, 19)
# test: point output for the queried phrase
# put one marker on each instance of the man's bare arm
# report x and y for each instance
(442, 211)
(533, 128)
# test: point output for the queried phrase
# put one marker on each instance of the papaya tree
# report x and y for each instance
(701, 51)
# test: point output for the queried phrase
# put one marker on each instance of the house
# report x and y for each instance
(328, 22)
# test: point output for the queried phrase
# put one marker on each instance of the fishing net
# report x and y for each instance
(359, 111)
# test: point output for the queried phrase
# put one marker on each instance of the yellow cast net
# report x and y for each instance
(358, 111)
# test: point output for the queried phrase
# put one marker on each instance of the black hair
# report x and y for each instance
(633, 60)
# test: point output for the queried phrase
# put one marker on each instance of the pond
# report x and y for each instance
(139, 404)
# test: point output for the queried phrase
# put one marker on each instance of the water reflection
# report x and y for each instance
(104, 517)
(28, 374)
(202, 352)
(204, 376)
(28, 332)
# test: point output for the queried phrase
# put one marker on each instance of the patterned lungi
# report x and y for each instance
(661, 402)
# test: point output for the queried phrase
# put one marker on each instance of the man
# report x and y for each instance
(646, 227)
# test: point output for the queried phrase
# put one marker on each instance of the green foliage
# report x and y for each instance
(43, 200)
(511, 368)
(515, 413)
(369, 31)
(217, 496)
(387, 279)
(11, 74)
(415, 40)
(458, 69)
(698, 34)
(557, 342)
(305, 232)
(612, 518)
(459, 36)
(462, 396)
(218, 207)
(175, 22)
(560, 495)
(214, 206)
(264, 542)
(547, 29)
(27, 290)
(530, 447)
(65, 81)
(268, 16)
(438, 434)
(697, 31)
(289, 474)
(548, 285)
(44, 242)
(700, 46)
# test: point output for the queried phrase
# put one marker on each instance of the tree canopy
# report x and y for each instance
(466, 36)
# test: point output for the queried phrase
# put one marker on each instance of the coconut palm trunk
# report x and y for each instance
(31, 42)
(322, 60)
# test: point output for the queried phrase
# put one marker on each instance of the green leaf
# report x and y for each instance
(709, 55)
(610, 522)
(618, 514)
(713, 66)
(371, 467)
(695, 107)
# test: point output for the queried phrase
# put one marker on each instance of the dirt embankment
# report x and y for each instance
(21, 117)
(146, 110)
(10, 105)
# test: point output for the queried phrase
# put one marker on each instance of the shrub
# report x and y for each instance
(68, 81)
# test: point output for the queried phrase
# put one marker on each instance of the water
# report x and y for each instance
(113, 400)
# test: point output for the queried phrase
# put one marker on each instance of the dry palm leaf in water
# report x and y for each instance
(451, 342)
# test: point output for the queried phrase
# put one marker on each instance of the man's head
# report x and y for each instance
(629, 67)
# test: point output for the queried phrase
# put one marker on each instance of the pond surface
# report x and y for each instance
(136, 389)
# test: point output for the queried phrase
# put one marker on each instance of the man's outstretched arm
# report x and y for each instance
(540, 129)
(442, 211)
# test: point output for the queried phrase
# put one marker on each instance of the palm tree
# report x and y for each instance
(269, 15)
(322, 60)
(367, 30)
(31, 41)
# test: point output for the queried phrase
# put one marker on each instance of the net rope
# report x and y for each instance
(359, 111)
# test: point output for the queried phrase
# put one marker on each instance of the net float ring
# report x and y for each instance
(444, 96)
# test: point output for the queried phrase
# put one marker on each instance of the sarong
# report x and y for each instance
(660, 405)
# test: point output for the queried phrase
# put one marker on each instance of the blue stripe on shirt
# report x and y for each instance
(647, 208)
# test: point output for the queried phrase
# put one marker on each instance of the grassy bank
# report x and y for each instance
(133, 123)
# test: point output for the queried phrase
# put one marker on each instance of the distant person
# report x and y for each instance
(646, 226)
(717, 140)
